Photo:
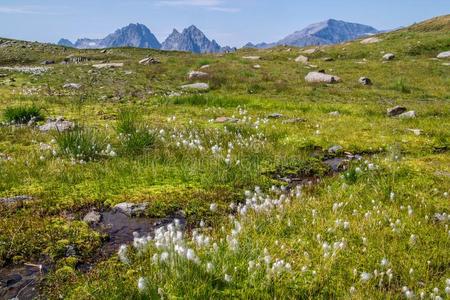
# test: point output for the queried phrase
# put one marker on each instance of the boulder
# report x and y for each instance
(408, 115)
(58, 124)
(108, 65)
(226, 120)
(395, 111)
(365, 81)
(149, 61)
(195, 86)
(335, 149)
(193, 75)
(302, 59)
(252, 57)
(388, 56)
(275, 116)
(15, 199)
(318, 77)
(371, 40)
(311, 51)
(445, 54)
(334, 114)
(73, 86)
(131, 209)
(92, 217)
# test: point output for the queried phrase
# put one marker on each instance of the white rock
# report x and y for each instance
(252, 57)
(302, 59)
(196, 86)
(371, 40)
(445, 54)
(74, 86)
(408, 115)
(197, 75)
(311, 51)
(108, 66)
(317, 77)
(389, 56)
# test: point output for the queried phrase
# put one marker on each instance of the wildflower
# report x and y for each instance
(352, 290)
(384, 262)
(190, 255)
(164, 256)
(227, 278)
(123, 254)
(141, 284)
(209, 267)
(447, 290)
(365, 276)
(213, 207)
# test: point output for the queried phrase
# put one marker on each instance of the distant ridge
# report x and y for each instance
(324, 33)
(192, 40)
(133, 35)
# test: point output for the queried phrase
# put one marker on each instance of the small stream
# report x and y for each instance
(22, 281)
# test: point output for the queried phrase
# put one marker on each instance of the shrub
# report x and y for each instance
(22, 114)
(135, 138)
(81, 143)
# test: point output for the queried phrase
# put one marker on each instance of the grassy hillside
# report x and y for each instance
(376, 227)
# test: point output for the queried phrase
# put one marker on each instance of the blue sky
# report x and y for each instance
(230, 22)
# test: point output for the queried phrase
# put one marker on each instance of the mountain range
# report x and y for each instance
(324, 33)
(192, 39)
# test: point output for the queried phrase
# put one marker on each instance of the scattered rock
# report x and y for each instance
(334, 113)
(108, 65)
(408, 115)
(371, 40)
(58, 124)
(256, 67)
(365, 81)
(388, 56)
(275, 116)
(445, 54)
(48, 62)
(318, 77)
(3, 75)
(335, 149)
(196, 86)
(15, 199)
(252, 57)
(92, 218)
(226, 120)
(131, 209)
(311, 51)
(76, 59)
(193, 75)
(204, 67)
(149, 61)
(74, 86)
(395, 111)
(328, 59)
(302, 59)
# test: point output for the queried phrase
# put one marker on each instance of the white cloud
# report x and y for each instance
(215, 5)
(25, 10)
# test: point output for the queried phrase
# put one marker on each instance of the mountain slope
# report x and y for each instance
(133, 35)
(324, 33)
(192, 40)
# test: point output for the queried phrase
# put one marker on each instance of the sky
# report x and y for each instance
(230, 22)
